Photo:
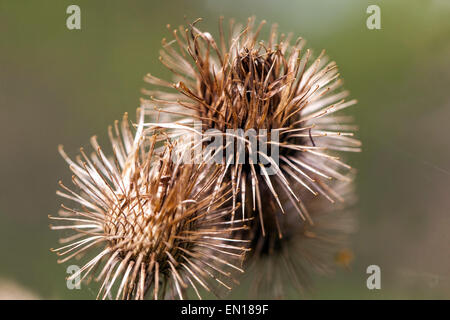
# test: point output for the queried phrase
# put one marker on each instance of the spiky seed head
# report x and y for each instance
(158, 225)
(242, 82)
(288, 255)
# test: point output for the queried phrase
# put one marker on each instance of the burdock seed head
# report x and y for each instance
(239, 81)
(283, 264)
(242, 82)
(156, 228)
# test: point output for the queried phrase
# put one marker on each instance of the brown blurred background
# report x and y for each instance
(61, 86)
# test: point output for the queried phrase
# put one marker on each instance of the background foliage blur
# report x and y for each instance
(60, 86)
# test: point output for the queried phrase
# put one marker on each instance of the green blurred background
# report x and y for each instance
(61, 86)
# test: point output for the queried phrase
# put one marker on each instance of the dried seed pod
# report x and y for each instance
(159, 228)
(242, 83)
(285, 259)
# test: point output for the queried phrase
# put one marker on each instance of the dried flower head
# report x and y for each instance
(159, 229)
(245, 84)
(303, 248)
(240, 82)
